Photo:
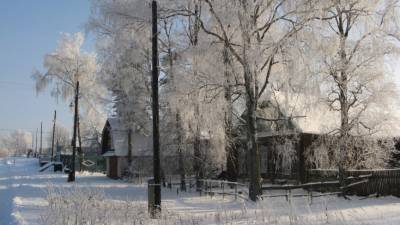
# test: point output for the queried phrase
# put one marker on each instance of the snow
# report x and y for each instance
(25, 194)
(46, 166)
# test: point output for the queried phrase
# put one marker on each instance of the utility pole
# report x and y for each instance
(33, 140)
(80, 150)
(155, 209)
(71, 175)
(41, 136)
(32, 152)
(54, 131)
(130, 147)
(36, 143)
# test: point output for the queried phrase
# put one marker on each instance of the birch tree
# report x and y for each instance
(253, 31)
(123, 33)
(353, 42)
(66, 65)
(123, 46)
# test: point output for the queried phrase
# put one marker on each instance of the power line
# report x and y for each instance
(21, 129)
(15, 83)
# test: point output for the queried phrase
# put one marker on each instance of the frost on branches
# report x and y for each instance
(66, 65)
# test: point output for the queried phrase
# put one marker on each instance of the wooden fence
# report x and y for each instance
(213, 187)
(380, 182)
(224, 188)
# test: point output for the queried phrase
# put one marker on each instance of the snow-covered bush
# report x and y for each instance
(3, 152)
(90, 206)
(85, 206)
(285, 154)
(362, 153)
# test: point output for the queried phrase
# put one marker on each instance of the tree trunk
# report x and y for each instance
(255, 173)
(198, 163)
(344, 111)
(180, 151)
(247, 24)
(231, 151)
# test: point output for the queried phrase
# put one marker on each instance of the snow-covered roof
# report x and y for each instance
(306, 113)
(141, 144)
(310, 113)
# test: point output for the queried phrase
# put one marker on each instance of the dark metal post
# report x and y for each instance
(71, 176)
(155, 108)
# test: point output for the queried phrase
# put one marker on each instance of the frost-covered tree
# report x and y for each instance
(66, 65)
(215, 52)
(61, 136)
(17, 142)
(192, 81)
(124, 49)
(254, 32)
(351, 42)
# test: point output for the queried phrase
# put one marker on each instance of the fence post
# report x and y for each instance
(287, 195)
(211, 188)
(202, 186)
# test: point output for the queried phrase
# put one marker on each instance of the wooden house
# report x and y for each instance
(120, 157)
(286, 128)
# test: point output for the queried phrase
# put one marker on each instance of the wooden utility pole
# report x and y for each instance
(80, 150)
(33, 141)
(71, 175)
(36, 152)
(41, 136)
(54, 131)
(156, 208)
(32, 152)
(130, 147)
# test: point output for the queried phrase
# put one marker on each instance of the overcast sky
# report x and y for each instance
(29, 30)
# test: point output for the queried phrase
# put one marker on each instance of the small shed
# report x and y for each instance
(121, 157)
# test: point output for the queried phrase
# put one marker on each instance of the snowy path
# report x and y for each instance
(23, 193)
(23, 189)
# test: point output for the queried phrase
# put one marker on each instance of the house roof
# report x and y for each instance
(304, 113)
(310, 114)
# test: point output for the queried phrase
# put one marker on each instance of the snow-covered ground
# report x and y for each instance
(25, 195)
